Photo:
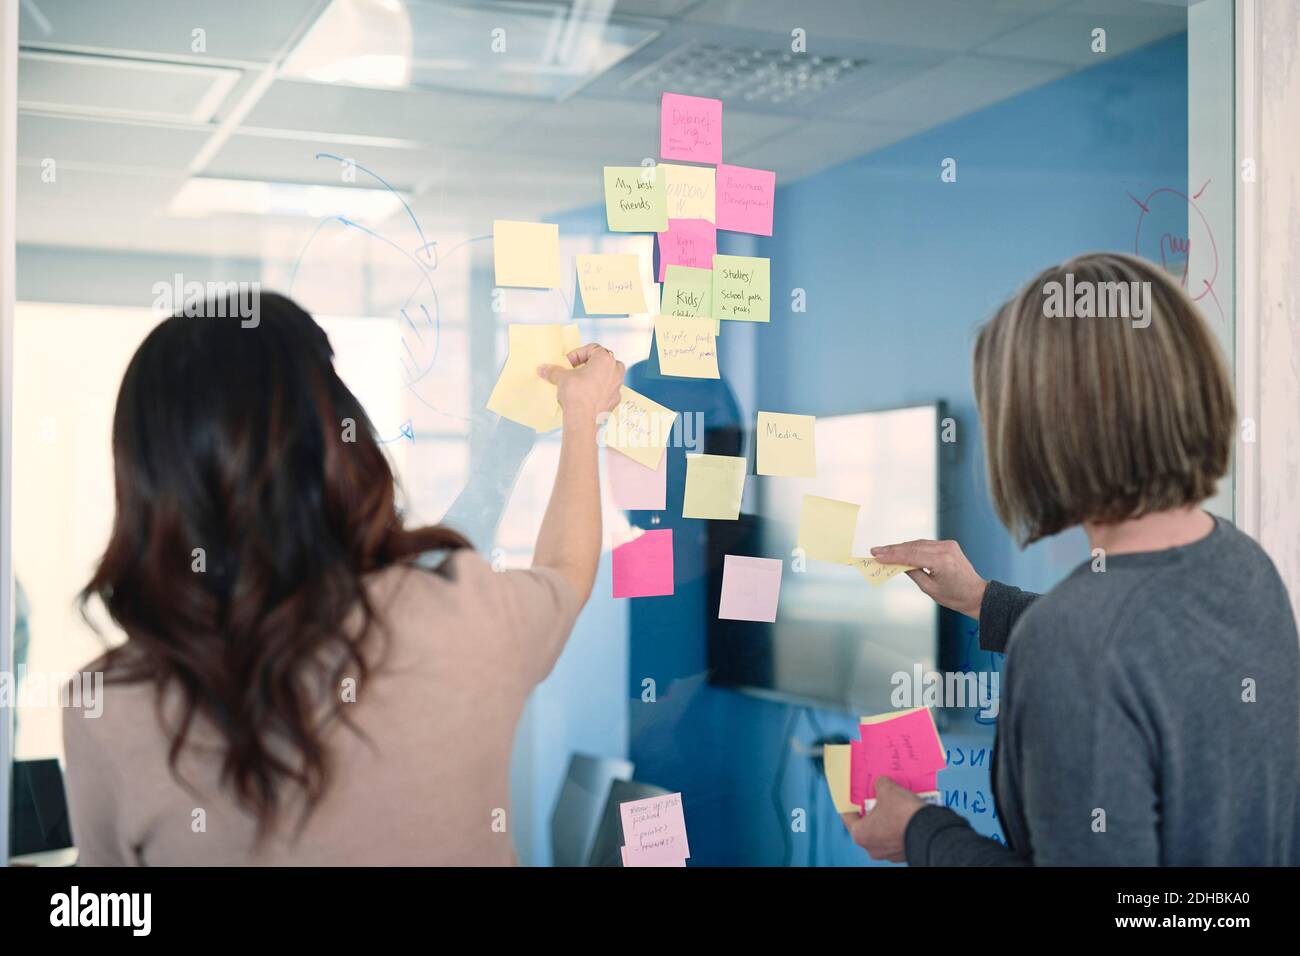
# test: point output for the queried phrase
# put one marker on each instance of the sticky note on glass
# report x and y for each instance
(742, 288)
(639, 428)
(903, 746)
(826, 528)
(526, 254)
(655, 824)
(662, 856)
(610, 283)
(787, 445)
(688, 292)
(835, 761)
(520, 394)
(687, 242)
(751, 588)
(633, 486)
(691, 191)
(687, 348)
(690, 128)
(636, 198)
(714, 486)
(746, 199)
(644, 566)
(878, 573)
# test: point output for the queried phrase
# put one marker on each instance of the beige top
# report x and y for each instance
(428, 787)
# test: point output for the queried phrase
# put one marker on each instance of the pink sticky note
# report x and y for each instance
(750, 588)
(745, 199)
(658, 857)
(923, 783)
(633, 486)
(688, 242)
(690, 128)
(644, 566)
(655, 823)
(905, 746)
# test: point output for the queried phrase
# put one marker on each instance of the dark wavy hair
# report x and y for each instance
(233, 437)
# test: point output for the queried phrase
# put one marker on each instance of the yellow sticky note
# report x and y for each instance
(878, 573)
(835, 761)
(526, 254)
(610, 284)
(520, 394)
(714, 486)
(687, 347)
(639, 428)
(690, 191)
(787, 445)
(636, 199)
(826, 529)
(895, 714)
(742, 288)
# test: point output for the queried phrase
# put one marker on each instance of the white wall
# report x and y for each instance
(8, 165)
(1276, 50)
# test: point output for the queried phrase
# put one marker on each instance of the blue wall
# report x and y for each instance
(899, 269)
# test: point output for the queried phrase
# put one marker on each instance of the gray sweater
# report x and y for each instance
(1150, 715)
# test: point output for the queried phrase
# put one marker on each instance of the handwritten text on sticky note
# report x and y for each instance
(878, 573)
(687, 242)
(746, 198)
(787, 445)
(687, 347)
(742, 288)
(690, 128)
(610, 283)
(639, 428)
(636, 198)
(688, 292)
(655, 824)
(691, 192)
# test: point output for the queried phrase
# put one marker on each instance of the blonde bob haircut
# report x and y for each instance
(1094, 418)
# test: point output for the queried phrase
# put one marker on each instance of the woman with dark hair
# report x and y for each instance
(294, 688)
(1149, 713)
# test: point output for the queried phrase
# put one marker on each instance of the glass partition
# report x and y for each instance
(929, 157)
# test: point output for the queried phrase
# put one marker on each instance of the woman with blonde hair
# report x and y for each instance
(1150, 713)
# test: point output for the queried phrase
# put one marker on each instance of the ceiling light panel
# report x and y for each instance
(543, 50)
(743, 76)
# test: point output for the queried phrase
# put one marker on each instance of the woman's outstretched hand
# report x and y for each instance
(591, 386)
(942, 572)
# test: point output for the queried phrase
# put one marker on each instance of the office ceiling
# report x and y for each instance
(126, 102)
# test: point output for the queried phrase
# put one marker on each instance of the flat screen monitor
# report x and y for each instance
(837, 641)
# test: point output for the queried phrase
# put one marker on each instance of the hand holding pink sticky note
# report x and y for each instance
(745, 199)
(690, 128)
(644, 566)
(905, 747)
